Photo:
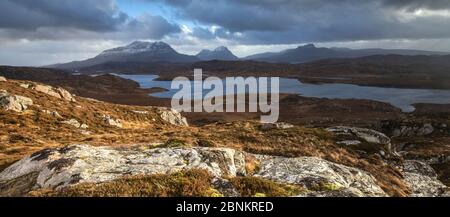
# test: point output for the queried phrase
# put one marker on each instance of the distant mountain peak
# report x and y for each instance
(137, 51)
(139, 47)
(138, 44)
(308, 46)
(221, 49)
(309, 52)
(220, 53)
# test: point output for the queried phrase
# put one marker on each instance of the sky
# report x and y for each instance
(42, 32)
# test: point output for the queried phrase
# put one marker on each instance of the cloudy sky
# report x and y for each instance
(40, 32)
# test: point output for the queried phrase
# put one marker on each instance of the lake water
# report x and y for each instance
(399, 97)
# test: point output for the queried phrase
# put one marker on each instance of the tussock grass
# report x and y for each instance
(191, 183)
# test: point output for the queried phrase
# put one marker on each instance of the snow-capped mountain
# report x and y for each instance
(220, 53)
(137, 51)
(139, 47)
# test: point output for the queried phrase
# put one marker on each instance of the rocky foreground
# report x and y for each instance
(69, 166)
(53, 143)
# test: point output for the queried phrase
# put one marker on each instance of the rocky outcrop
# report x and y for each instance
(140, 112)
(367, 135)
(25, 85)
(424, 130)
(75, 124)
(54, 114)
(65, 94)
(410, 128)
(71, 165)
(59, 92)
(172, 116)
(2, 79)
(56, 168)
(14, 102)
(354, 136)
(318, 175)
(111, 121)
(343, 192)
(422, 179)
(279, 125)
(49, 90)
(349, 142)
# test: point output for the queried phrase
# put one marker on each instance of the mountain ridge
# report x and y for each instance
(310, 52)
(220, 53)
(152, 52)
(137, 51)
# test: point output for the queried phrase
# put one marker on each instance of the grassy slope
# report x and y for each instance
(33, 130)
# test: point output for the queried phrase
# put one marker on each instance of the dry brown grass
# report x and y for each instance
(23, 134)
(191, 183)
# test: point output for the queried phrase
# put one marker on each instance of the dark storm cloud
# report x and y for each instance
(233, 15)
(99, 15)
(149, 26)
(60, 19)
(299, 21)
(203, 33)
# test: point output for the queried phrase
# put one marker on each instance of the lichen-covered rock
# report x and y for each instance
(76, 124)
(225, 187)
(344, 192)
(2, 79)
(446, 193)
(65, 94)
(59, 92)
(172, 116)
(367, 135)
(279, 125)
(49, 90)
(25, 85)
(414, 166)
(422, 179)
(140, 112)
(111, 121)
(81, 163)
(14, 102)
(349, 142)
(426, 129)
(71, 165)
(318, 175)
(354, 136)
(52, 113)
(411, 129)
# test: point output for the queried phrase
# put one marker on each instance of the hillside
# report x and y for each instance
(427, 72)
(104, 87)
(157, 144)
